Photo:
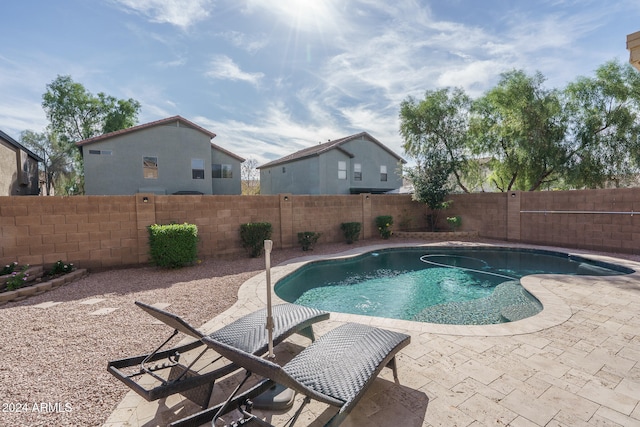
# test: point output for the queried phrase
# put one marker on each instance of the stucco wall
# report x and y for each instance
(8, 169)
(371, 156)
(107, 231)
(318, 174)
(298, 177)
(18, 172)
(226, 186)
(121, 172)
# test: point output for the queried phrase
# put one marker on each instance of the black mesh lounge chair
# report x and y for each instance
(336, 369)
(192, 369)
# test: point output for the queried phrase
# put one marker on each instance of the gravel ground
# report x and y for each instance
(53, 363)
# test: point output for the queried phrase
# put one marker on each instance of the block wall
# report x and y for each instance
(109, 231)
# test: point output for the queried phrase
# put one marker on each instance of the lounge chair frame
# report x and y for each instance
(247, 333)
(337, 369)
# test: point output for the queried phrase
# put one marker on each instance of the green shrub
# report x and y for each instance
(454, 222)
(174, 245)
(8, 269)
(253, 235)
(384, 223)
(60, 268)
(351, 231)
(18, 279)
(307, 239)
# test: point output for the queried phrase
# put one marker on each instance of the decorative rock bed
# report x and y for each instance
(36, 286)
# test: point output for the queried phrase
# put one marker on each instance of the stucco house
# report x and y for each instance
(355, 164)
(18, 168)
(633, 45)
(168, 156)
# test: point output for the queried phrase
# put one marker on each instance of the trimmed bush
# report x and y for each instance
(307, 239)
(351, 231)
(454, 222)
(253, 235)
(384, 223)
(174, 245)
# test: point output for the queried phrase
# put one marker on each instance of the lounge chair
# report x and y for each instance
(336, 369)
(191, 369)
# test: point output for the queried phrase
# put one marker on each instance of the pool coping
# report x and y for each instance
(252, 294)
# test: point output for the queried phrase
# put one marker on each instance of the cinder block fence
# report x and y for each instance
(110, 231)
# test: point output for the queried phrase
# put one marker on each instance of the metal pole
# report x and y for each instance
(268, 244)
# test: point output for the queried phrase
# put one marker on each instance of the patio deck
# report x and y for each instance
(576, 363)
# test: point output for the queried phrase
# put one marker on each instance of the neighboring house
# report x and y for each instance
(355, 164)
(168, 156)
(18, 168)
(633, 45)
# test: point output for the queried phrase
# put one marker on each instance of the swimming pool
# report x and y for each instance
(469, 286)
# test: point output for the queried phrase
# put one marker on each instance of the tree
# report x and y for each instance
(430, 179)
(250, 177)
(522, 126)
(75, 114)
(604, 126)
(438, 124)
(57, 158)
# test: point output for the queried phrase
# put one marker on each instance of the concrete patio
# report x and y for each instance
(575, 364)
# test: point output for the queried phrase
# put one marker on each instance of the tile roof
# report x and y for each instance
(146, 126)
(316, 150)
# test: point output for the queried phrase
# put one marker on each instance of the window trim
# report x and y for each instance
(225, 171)
(152, 171)
(357, 171)
(342, 169)
(197, 173)
(383, 173)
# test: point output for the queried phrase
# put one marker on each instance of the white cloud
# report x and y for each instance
(269, 134)
(181, 13)
(18, 115)
(473, 76)
(222, 67)
(250, 43)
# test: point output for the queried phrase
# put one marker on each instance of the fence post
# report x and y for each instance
(366, 216)
(286, 220)
(513, 215)
(145, 216)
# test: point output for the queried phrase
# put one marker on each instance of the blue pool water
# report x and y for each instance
(437, 285)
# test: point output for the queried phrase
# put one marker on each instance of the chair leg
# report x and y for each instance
(392, 364)
(308, 332)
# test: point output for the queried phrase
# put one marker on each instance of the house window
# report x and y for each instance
(383, 172)
(284, 169)
(150, 167)
(221, 171)
(342, 170)
(197, 168)
(357, 172)
(103, 152)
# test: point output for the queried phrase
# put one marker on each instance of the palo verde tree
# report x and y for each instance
(75, 114)
(604, 126)
(437, 124)
(521, 125)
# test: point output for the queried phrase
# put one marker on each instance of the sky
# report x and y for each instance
(271, 77)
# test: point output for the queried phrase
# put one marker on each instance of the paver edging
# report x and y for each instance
(40, 288)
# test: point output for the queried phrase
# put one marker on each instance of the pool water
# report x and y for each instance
(437, 285)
